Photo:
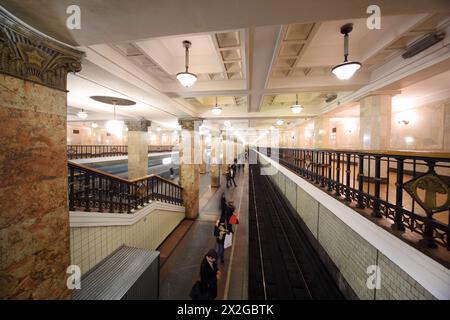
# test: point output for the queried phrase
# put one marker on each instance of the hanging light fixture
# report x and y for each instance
(94, 125)
(114, 127)
(216, 110)
(347, 69)
(280, 122)
(296, 108)
(82, 114)
(186, 78)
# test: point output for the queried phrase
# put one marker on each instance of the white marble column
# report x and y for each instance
(321, 132)
(189, 165)
(137, 148)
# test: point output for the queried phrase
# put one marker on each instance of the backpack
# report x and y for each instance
(234, 219)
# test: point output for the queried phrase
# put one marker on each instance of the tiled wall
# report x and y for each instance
(396, 284)
(349, 251)
(89, 245)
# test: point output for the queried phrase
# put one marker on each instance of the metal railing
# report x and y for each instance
(412, 190)
(98, 151)
(94, 190)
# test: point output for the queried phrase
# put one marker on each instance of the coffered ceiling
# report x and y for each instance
(253, 61)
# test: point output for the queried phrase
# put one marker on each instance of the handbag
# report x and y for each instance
(228, 241)
(234, 219)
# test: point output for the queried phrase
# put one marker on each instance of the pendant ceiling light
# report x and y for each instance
(94, 125)
(186, 78)
(216, 110)
(296, 108)
(347, 69)
(280, 122)
(82, 114)
(114, 127)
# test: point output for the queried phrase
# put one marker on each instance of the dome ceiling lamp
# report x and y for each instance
(216, 110)
(346, 70)
(186, 78)
(296, 108)
(280, 122)
(82, 114)
(114, 126)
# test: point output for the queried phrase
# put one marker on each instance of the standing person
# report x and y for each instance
(230, 211)
(209, 273)
(228, 176)
(223, 206)
(235, 166)
(220, 230)
(233, 174)
(172, 173)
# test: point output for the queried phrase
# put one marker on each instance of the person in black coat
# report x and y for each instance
(233, 174)
(209, 273)
(230, 211)
(223, 206)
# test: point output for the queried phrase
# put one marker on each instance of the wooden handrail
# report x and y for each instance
(122, 179)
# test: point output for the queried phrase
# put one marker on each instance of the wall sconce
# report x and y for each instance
(349, 126)
(407, 117)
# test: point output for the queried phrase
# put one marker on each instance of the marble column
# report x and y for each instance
(375, 121)
(224, 155)
(137, 148)
(375, 127)
(202, 165)
(34, 215)
(321, 132)
(215, 160)
(189, 165)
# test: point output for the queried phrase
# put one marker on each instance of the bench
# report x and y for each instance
(127, 274)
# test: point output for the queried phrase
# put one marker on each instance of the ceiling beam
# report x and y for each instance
(111, 21)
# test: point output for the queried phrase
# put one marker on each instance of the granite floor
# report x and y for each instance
(181, 269)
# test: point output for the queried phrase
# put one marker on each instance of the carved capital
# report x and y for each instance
(138, 125)
(190, 124)
(29, 55)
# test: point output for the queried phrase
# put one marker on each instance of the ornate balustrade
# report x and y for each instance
(98, 151)
(412, 190)
(94, 190)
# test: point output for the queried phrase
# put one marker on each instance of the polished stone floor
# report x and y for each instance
(181, 269)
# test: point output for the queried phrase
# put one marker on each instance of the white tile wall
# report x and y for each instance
(89, 245)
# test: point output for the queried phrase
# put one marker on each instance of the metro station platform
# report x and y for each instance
(181, 269)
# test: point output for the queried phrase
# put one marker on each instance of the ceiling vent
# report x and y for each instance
(422, 44)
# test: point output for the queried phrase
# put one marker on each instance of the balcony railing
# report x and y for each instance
(412, 190)
(98, 151)
(94, 190)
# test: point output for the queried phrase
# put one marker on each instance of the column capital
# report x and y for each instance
(138, 125)
(191, 124)
(29, 55)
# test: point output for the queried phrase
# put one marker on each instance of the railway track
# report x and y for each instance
(286, 265)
